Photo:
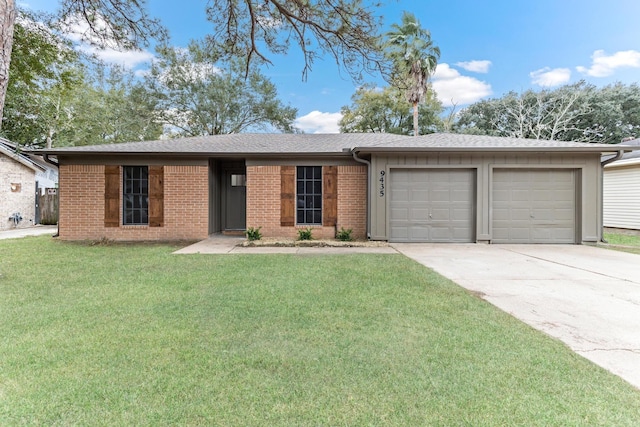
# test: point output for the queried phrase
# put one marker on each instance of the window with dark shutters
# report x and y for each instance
(309, 195)
(135, 195)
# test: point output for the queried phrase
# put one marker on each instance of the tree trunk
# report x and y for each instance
(416, 131)
(7, 20)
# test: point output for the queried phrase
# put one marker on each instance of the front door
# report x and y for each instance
(235, 199)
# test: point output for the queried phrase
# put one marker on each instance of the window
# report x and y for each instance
(309, 195)
(135, 195)
(238, 180)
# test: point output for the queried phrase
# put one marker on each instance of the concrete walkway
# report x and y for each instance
(588, 297)
(36, 230)
(219, 244)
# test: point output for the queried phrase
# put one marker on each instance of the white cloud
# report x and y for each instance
(454, 88)
(475, 66)
(128, 59)
(547, 77)
(603, 65)
(77, 29)
(319, 122)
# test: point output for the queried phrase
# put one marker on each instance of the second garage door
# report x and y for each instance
(534, 206)
(432, 205)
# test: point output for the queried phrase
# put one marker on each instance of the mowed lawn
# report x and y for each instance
(624, 242)
(133, 335)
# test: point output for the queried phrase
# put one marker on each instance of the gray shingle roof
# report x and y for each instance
(239, 144)
(326, 144)
(458, 142)
(10, 149)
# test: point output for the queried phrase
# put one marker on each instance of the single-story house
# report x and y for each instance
(432, 188)
(622, 190)
(18, 178)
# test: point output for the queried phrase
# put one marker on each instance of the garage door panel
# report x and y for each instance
(440, 214)
(440, 195)
(418, 194)
(565, 214)
(533, 206)
(460, 215)
(439, 205)
(402, 232)
(400, 195)
(401, 214)
(419, 214)
(500, 196)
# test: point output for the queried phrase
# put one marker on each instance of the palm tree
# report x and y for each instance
(414, 58)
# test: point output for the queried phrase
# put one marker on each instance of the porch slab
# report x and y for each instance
(215, 244)
(221, 244)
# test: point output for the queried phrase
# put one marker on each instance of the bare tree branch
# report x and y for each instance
(344, 29)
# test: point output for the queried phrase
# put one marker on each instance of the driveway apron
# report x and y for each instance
(588, 297)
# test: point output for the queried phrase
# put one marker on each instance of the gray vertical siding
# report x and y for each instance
(586, 166)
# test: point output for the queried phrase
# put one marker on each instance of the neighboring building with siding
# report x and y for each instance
(433, 188)
(622, 191)
(17, 188)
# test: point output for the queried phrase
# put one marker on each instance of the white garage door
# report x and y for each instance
(534, 206)
(432, 205)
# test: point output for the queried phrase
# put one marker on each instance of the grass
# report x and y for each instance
(132, 335)
(624, 242)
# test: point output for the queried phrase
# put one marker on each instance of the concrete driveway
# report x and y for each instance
(35, 230)
(588, 297)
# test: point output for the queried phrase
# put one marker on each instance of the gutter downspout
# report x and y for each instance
(368, 163)
(603, 164)
(51, 162)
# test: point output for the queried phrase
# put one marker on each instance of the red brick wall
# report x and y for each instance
(186, 206)
(352, 199)
(263, 202)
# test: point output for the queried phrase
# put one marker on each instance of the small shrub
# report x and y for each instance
(344, 235)
(305, 234)
(253, 233)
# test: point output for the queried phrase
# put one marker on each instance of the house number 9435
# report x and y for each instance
(381, 181)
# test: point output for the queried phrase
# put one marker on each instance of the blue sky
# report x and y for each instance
(488, 48)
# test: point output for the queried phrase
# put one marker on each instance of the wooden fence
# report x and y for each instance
(48, 205)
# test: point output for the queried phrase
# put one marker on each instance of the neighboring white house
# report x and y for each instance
(622, 191)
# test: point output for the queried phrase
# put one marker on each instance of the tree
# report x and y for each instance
(577, 112)
(195, 96)
(115, 23)
(111, 106)
(614, 113)
(414, 58)
(55, 97)
(7, 20)
(120, 24)
(44, 68)
(343, 29)
(376, 110)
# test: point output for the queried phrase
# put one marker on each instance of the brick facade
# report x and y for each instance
(186, 206)
(21, 198)
(263, 203)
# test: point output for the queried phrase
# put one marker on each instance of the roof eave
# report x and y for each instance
(485, 149)
(194, 154)
(22, 160)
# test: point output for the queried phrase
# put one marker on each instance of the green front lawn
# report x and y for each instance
(132, 335)
(623, 242)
